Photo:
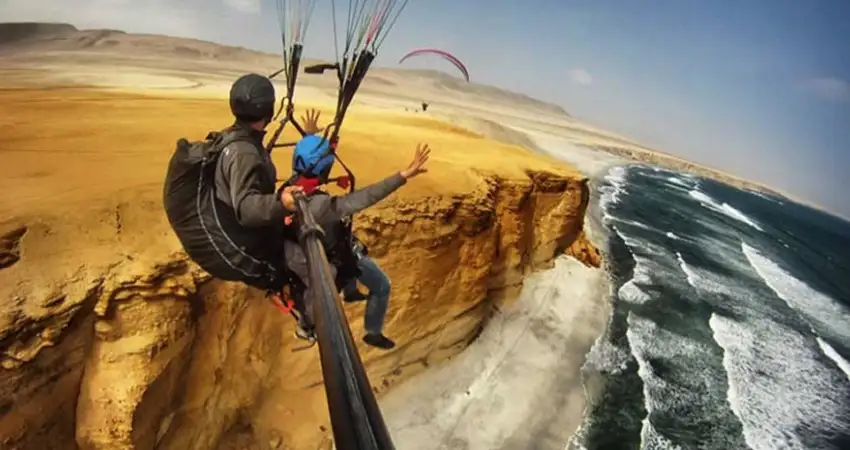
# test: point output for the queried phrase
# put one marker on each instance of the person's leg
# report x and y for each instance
(376, 306)
(299, 289)
(304, 325)
(350, 293)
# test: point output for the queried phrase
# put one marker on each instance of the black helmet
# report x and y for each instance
(252, 98)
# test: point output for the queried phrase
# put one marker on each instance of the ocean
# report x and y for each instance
(730, 326)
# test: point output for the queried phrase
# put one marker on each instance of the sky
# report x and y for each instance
(757, 88)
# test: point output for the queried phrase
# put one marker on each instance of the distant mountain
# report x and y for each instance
(51, 40)
(16, 33)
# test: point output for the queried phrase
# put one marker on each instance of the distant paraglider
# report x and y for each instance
(446, 55)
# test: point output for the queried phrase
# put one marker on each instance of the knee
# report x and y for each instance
(384, 284)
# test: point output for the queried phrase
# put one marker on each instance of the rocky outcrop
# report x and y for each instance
(148, 352)
(16, 32)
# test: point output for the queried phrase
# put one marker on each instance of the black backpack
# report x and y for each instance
(194, 213)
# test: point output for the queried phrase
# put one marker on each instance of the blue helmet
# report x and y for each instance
(311, 154)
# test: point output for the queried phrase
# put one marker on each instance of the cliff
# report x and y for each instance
(111, 339)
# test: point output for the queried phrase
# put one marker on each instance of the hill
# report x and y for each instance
(33, 42)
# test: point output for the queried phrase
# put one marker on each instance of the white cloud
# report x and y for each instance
(580, 76)
(244, 6)
(828, 88)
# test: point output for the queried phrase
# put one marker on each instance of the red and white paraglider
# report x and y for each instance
(444, 54)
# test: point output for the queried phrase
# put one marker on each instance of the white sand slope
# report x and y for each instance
(518, 385)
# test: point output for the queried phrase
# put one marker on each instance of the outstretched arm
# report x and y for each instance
(361, 199)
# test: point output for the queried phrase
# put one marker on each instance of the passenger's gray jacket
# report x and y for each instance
(329, 212)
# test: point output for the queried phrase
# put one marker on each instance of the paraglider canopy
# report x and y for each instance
(442, 53)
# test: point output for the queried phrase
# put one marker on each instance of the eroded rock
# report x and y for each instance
(154, 354)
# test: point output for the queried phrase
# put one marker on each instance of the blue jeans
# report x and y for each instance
(379, 294)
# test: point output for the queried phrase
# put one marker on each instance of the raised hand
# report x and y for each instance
(417, 166)
(311, 121)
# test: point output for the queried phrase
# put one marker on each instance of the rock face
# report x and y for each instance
(157, 355)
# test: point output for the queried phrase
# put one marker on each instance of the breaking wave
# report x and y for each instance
(723, 208)
(714, 341)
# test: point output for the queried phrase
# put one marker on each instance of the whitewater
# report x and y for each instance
(731, 320)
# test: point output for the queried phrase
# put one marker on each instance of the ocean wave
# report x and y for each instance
(723, 208)
(704, 280)
(633, 223)
(646, 256)
(821, 311)
(678, 182)
(832, 354)
(764, 196)
(651, 439)
(640, 247)
(610, 193)
(765, 362)
(650, 342)
(606, 357)
(630, 292)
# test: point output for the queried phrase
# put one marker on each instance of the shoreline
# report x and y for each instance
(519, 383)
(524, 375)
(592, 381)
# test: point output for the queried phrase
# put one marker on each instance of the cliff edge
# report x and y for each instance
(111, 339)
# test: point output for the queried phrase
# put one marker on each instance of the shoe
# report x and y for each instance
(305, 333)
(357, 296)
(379, 340)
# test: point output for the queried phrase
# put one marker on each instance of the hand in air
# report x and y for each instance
(287, 198)
(418, 165)
(311, 121)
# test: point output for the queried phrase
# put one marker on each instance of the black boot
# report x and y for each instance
(378, 340)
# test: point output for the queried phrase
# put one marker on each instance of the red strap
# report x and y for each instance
(343, 182)
(286, 306)
(309, 184)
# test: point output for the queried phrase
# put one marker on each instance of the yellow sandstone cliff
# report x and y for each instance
(112, 339)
